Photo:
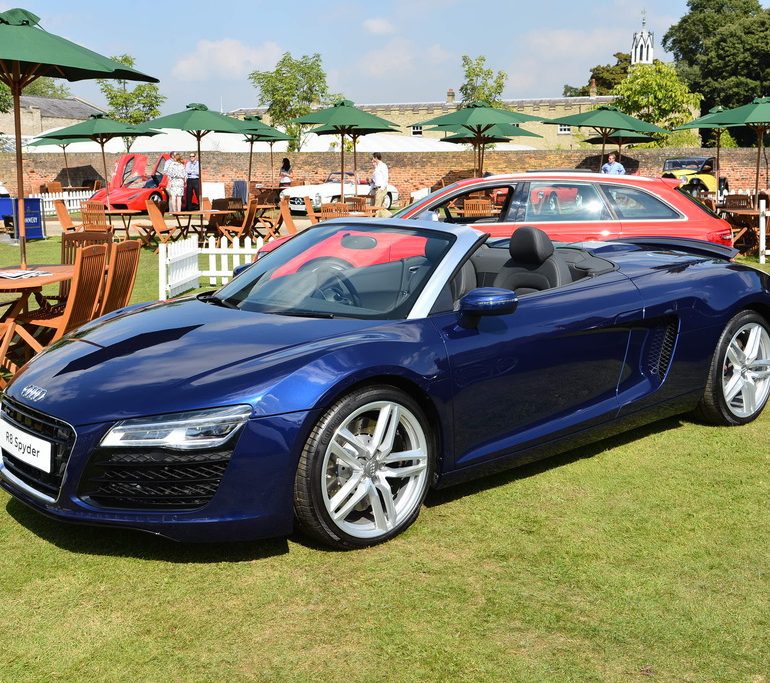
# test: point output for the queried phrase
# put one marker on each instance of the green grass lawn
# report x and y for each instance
(643, 558)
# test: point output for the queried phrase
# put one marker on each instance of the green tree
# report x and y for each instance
(48, 87)
(481, 83)
(722, 51)
(656, 94)
(131, 105)
(606, 77)
(291, 90)
(6, 101)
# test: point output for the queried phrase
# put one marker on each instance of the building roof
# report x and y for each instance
(61, 108)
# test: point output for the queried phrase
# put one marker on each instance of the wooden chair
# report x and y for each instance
(121, 275)
(477, 208)
(286, 218)
(93, 216)
(742, 226)
(311, 214)
(156, 231)
(357, 202)
(63, 216)
(54, 187)
(245, 229)
(81, 304)
(333, 210)
(70, 243)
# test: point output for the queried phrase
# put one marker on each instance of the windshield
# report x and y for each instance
(334, 177)
(341, 270)
(694, 164)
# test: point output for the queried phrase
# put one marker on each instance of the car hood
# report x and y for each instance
(120, 193)
(175, 356)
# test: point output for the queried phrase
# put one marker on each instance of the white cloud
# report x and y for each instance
(561, 44)
(227, 59)
(438, 55)
(395, 58)
(379, 26)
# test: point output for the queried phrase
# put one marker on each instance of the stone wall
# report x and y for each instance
(408, 171)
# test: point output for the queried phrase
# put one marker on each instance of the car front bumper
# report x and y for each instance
(253, 498)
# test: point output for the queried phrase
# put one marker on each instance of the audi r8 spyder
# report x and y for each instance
(334, 387)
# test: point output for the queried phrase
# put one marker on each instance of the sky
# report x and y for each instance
(392, 51)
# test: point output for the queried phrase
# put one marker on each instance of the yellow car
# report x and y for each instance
(695, 172)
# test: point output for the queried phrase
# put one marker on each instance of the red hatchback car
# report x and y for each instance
(573, 207)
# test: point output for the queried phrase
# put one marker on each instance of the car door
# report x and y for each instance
(548, 369)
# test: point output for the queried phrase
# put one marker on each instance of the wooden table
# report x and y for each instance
(203, 213)
(26, 288)
(125, 216)
(745, 228)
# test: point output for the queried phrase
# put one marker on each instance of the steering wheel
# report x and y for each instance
(335, 287)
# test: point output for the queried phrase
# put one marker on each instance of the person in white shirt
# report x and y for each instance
(379, 183)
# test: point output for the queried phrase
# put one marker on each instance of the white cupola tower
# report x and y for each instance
(642, 45)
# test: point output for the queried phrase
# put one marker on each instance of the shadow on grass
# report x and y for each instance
(485, 482)
(97, 540)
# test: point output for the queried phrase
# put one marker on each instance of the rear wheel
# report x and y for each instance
(388, 201)
(739, 377)
(365, 469)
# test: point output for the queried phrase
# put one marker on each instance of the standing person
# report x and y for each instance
(613, 167)
(284, 175)
(176, 173)
(379, 184)
(193, 169)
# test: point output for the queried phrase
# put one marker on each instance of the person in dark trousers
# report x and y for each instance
(193, 187)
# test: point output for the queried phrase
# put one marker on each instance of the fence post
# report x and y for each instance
(162, 271)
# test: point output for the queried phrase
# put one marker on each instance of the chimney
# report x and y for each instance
(592, 88)
(450, 96)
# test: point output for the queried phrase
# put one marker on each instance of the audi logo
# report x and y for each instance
(33, 393)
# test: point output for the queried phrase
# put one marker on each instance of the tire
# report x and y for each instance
(346, 492)
(156, 198)
(388, 201)
(738, 383)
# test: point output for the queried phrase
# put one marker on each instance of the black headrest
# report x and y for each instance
(530, 245)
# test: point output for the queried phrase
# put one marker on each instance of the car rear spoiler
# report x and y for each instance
(692, 246)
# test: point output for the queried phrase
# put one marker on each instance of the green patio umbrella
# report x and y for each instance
(199, 121)
(499, 132)
(755, 115)
(605, 120)
(28, 52)
(345, 119)
(480, 121)
(710, 120)
(101, 129)
(61, 144)
(256, 131)
(622, 137)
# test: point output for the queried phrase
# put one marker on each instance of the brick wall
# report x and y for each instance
(408, 171)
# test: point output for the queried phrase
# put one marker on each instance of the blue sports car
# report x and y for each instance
(340, 377)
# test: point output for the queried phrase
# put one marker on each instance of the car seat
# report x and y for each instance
(534, 265)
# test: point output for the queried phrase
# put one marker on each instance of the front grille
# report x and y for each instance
(61, 436)
(660, 349)
(152, 478)
(297, 201)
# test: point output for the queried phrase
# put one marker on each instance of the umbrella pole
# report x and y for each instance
(271, 163)
(718, 132)
(66, 165)
(251, 153)
(342, 163)
(106, 177)
(355, 167)
(604, 142)
(22, 226)
(198, 137)
(760, 133)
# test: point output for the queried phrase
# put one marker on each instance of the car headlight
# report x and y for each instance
(179, 431)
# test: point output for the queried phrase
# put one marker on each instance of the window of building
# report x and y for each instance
(564, 129)
(416, 130)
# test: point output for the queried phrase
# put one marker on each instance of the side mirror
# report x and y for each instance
(485, 301)
(239, 269)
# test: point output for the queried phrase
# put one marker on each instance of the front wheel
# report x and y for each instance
(365, 469)
(388, 201)
(738, 384)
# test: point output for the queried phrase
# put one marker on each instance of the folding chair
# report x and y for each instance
(121, 275)
(63, 216)
(156, 231)
(311, 214)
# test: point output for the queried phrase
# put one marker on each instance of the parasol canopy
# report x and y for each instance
(28, 52)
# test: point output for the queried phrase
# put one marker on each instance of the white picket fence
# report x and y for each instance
(763, 215)
(71, 199)
(179, 268)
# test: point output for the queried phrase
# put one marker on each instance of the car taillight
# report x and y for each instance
(721, 237)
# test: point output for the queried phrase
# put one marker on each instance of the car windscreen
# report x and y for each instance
(340, 270)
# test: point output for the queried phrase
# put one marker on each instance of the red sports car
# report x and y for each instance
(573, 206)
(131, 186)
